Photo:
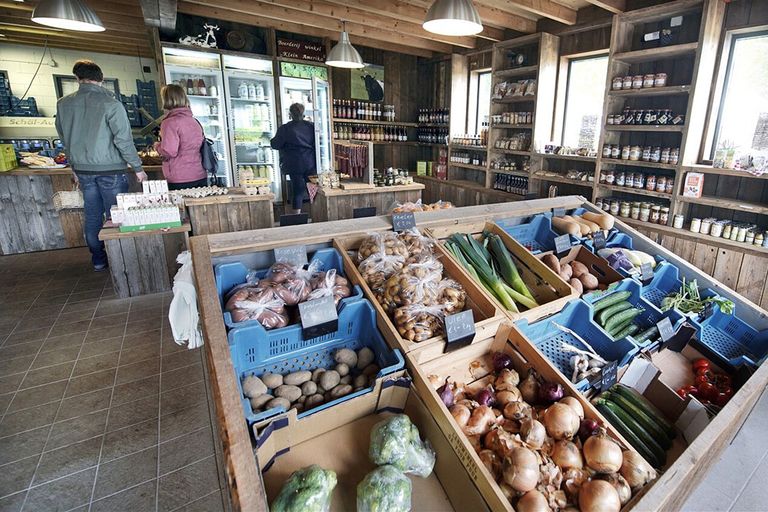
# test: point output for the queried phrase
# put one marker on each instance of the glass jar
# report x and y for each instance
(610, 178)
(606, 150)
(617, 83)
(626, 83)
(611, 119)
(765, 239)
(607, 206)
(621, 179)
(659, 80)
(650, 182)
(655, 214)
(750, 237)
(695, 225)
(615, 208)
(648, 80)
(599, 203)
(677, 221)
(646, 154)
(625, 209)
(645, 212)
(664, 156)
(674, 156)
(670, 187)
(615, 151)
(706, 226)
(734, 233)
(742, 234)
(655, 154)
(664, 216)
(725, 230)
(635, 211)
(759, 239)
(634, 153)
(637, 82)
(639, 180)
(626, 153)
(661, 183)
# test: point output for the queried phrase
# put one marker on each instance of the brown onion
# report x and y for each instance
(620, 484)
(517, 411)
(475, 442)
(574, 404)
(507, 395)
(572, 480)
(533, 433)
(461, 414)
(480, 421)
(529, 388)
(506, 380)
(561, 421)
(598, 496)
(567, 455)
(602, 454)
(491, 461)
(521, 469)
(635, 470)
(533, 501)
(500, 441)
(507, 491)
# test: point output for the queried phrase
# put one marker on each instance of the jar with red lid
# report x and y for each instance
(626, 82)
(617, 82)
(660, 80)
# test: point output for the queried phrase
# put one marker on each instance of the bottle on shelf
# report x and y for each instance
(190, 86)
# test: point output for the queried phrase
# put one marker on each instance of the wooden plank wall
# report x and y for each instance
(460, 194)
(208, 219)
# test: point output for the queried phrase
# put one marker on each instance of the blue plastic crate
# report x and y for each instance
(576, 316)
(256, 351)
(666, 279)
(229, 275)
(536, 235)
(732, 340)
(616, 239)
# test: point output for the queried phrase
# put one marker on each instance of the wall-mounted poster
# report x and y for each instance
(368, 83)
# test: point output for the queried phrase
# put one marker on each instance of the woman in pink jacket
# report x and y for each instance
(180, 139)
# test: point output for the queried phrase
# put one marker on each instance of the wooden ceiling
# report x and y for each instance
(386, 24)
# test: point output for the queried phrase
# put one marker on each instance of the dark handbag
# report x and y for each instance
(208, 155)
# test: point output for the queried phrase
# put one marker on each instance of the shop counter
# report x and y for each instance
(338, 204)
(234, 211)
(143, 262)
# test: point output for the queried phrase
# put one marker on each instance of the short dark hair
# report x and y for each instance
(88, 70)
(297, 111)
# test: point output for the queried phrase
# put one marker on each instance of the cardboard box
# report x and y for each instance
(693, 184)
(421, 168)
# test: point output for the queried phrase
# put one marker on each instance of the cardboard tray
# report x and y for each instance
(486, 313)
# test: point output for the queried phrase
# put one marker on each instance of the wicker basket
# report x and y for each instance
(68, 199)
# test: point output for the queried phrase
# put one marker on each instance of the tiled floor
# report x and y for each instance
(99, 409)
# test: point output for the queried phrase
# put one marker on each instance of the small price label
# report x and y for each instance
(707, 312)
(366, 211)
(403, 221)
(295, 255)
(666, 331)
(558, 212)
(562, 244)
(459, 330)
(318, 317)
(599, 240)
(608, 375)
(646, 273)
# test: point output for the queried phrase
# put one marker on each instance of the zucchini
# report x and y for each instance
(629, 330)
(659, 454)
(640, 401)
(649, 334)
(619, 318)
(627, 432)
(610, 300)
(617, 329)
(645, 421)
(608, 312)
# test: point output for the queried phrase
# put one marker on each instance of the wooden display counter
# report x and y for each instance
(231, 212)
(246, 486)
(462, 192)
(338, 204)
(143, 262)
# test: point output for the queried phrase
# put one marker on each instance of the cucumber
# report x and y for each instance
(620, 318)
(627, 432)
(643, 403)
(660, 456)
(610, 300)
(645, 421)
(627, 331)
(615, 309)
(649, 334)
(616, 330)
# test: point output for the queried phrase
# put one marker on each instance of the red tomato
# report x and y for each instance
(700, 379)
(700, 363)
(683, 393)
(708, 391)
(705, 371)
(722, 381)
(722, 399)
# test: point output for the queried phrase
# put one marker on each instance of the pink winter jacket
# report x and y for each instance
(180, 139)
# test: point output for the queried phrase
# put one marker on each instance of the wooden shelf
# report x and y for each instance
(432, 125)
(561, 179)
(575, 158)
(660, 53)
(516, 99)
(671, 90)
(639, 163)
(661, 128)
(400, 142)
(480, 168)
(511, 152)
(730, 204)
(638, 191)
(521, 71)
(520, 174)
(375, 123)
(250, 100)
(432, 144)
(472, 148)
(706, 169)
(513, 126)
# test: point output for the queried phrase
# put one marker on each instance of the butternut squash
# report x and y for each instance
(565, 226)
(605, 220)
(584, 230)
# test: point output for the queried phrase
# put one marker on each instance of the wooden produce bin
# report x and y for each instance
(596, 265)
(487, 315)
(229, 213)
(338, 204)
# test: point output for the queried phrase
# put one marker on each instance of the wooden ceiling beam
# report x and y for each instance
(539, 8)
(493, 17)
(42, 31)
(294, 27)
(614, 6)
(128, 8)
(112, 26)
(83, 46)
(159, 13)
(279, 13)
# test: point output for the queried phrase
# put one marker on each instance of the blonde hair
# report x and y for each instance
(173, 96)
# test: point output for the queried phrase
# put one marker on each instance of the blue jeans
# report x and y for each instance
(99, 194)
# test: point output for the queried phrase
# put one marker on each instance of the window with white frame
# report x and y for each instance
(478, 106)
(584, 95)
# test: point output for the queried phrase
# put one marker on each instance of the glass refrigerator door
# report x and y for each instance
(200, 75)
(294, 90)
(249, 87)
(322, 124)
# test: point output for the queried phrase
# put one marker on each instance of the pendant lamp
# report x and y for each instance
(453, 18)
(344, 55)
(68, 15)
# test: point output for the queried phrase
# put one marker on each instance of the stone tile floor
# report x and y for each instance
(99, 409)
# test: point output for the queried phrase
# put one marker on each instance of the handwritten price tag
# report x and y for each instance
(562, 244)
(608, 377)
(318, 317)
(599, 240)
(403, 221)
(295, 255)
(666, 331)
(459, 330)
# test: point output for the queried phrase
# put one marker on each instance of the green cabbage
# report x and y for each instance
(396, 441)
(306, 490)
(385, 489)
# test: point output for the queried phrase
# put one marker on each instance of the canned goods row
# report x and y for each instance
(639, 180)
(632, 117)
(655, 154)
(639, 81)
(736, 232)
(513, 118)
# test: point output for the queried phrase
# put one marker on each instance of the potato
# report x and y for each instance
(253, 386)
(347, 379)
(302, 399)
(329, 380)
(278, 402)
(289, 392)
(552, 262)
(346, 356)
(577, 285)
(297, 378)
(308, 388)
(316, 373)
(272, 380)
(299, 407)
(340, 390)
(371, 370)
(342, 369)
(257, 402)
(313, 401)
(566, 272)
(579, 269)
(365, 356)
(361, 381)
(589, 281)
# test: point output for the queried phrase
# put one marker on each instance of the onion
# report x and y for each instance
(501, 361)
(517, 411)
(475, 442)
(574, 403)
(485, 397)
(602, 454)
(598, 496)
(573, 478)
(561, 421)
(567, 455)
(550, 392)
(499, 441)
(588, 428)
(529, 388)
(508, 395)
(491, 461)
(507, 491)
(533, 501)
(480, 421)
(636, 470)
(621, 486)
(506, 380)
(461, 414)
(521, 470)
(446, 393)
(533, 433)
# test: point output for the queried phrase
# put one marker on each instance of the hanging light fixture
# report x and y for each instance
(453, 18)
(344, 55)
(67, 14)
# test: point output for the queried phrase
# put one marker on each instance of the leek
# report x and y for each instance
(507, 267)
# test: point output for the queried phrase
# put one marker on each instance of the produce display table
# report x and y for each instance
(338, 204)
(234, 211)
(458, 465)
(143, 262)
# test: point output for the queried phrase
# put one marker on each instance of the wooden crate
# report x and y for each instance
(549, 290)
(487, 315)
(598, 266)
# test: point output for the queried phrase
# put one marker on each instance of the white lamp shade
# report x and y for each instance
(453, 18)
(67, 14)
(344, 55)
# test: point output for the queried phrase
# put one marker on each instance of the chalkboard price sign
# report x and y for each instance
(608, 377)
(459, 330)
(562, 244)
(403, 221)
(599, 240)
(365, 211)
(318, 317)
(666, 331)
(294, 254)
(646, 273)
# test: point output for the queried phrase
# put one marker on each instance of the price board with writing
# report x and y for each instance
(558, 212)
(318, 317)
(666, 331)
(459, 330)
(599, 240)
(646, 273)
(294, 254)
(403, 221)
(608, 375)
(562, 244)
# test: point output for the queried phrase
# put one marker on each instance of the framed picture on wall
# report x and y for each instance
(67, 84)
(368, 83)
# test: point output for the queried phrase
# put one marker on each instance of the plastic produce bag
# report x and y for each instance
(385, 489)
(396, 441)
(416, 283)
(381, 243)
(306, 490)
(451, 296)
(419, 247)
(419, 322)
(263, 305)
(292, 283)
(329, 284)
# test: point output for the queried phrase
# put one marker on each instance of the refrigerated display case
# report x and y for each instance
(250, 95)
